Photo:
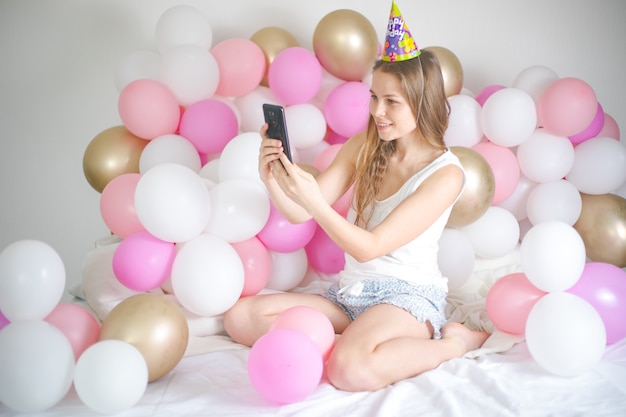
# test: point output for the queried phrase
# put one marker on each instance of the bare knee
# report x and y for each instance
(352, 371)
(241, 322)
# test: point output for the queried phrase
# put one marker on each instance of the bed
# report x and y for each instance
(500, 379)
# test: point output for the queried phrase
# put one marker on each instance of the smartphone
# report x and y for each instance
(275, 118)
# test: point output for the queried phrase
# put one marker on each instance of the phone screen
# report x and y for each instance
(275, 118)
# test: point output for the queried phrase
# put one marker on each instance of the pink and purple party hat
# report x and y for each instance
(399, 43)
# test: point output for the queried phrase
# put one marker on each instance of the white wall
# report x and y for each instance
(58, 59)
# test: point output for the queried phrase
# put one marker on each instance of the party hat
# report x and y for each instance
(399, 44)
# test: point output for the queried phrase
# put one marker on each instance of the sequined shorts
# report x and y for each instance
(424, 302)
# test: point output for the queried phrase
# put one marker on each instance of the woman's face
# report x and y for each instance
(390, 108)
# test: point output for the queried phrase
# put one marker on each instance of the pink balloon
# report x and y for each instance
(311, 322)
(567, 106)
(209, 125)
(80, 327)
(285, 366)
(241, 65)
(257, 265)
(148, 109)
(610, 128)
(603, 285)
(280, 235)
(117, 205)
(486, 92)
(592, 130)
(509, 302)
(334, 138)
(325, 157)
(143, 262)
(3, 320)
(505, 167)
(323, 254)
(295, 75)
(347, 108)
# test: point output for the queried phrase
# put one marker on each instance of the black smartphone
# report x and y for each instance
(275, 118)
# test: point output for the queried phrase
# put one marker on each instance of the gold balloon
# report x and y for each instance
(153, 324)
(346, 44)
(480, 186)
(602, 226)
(272, 40)
(451, 69)
(113, 152)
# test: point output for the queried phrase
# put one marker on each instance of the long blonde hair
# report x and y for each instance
(422, 82)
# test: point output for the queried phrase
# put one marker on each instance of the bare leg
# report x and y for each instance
(251, 317)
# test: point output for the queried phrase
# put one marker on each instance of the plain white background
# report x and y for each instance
(58, 60)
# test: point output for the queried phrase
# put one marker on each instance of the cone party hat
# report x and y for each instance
(399, 43)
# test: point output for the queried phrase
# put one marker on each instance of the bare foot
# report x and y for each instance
(466, 339)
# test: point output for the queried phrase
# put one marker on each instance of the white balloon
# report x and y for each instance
(207, 275)
(138, 65)
(599, 166)
(172, 202)
(516, 203)
(240, 158)
(306, 125)
(555, 200)
(32, 280)
(183, 25)
(552, 255)
(210, 170)
(456, 257)
(545, 157)
(239, 210)
(251, 108)
(111, 376)
(288, 269)
(494, 234)
(170, 148)
(37, 363)
(464, 124)
(534, 80)
(509, 117)
(565, 334)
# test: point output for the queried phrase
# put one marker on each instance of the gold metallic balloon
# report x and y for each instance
(451, 69)
(346, 44)
(113, 152)
(602, 226)
(155, 325)
(480, 186)
(272, 40)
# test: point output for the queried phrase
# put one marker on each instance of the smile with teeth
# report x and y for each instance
(383, 125)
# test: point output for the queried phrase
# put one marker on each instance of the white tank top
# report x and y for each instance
(415, 262)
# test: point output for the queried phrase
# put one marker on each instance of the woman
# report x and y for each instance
(389, 302)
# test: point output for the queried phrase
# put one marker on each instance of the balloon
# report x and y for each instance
(79, 325)
(241, 65)
(601, 224)
(113, 152)
(346, 44)
(494, 234)
(516, 203)
(111, 376)
(169, 148)
(117, 205)
(153, 324)
(509, 117)
(306, 125)
(451, 69)
(143, 262)
(555, 200)
(603, 286)
(487, 92)
(347, 108)
(295, 76)
(599, 166)
(272, 40)
(610, 129)
(137, 65)
(505, 168)
(32, 280)
(567, 106)
(479, 188)
(251, 108)
(509, 302)
(183, 25)
(592, 130)
(311, 322)
(257, 265)
(456, 257)
(552, 255)
(148, 108)
(280, 235)
(285, 366)
(288, 269)
(464, 125)
(37, 365)
(534, 80)
(209, 125)
(3, 321)
(240, 158)
(323, 254)
(545, 157)
(207, 275)
(172, 202)
(565, 334)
